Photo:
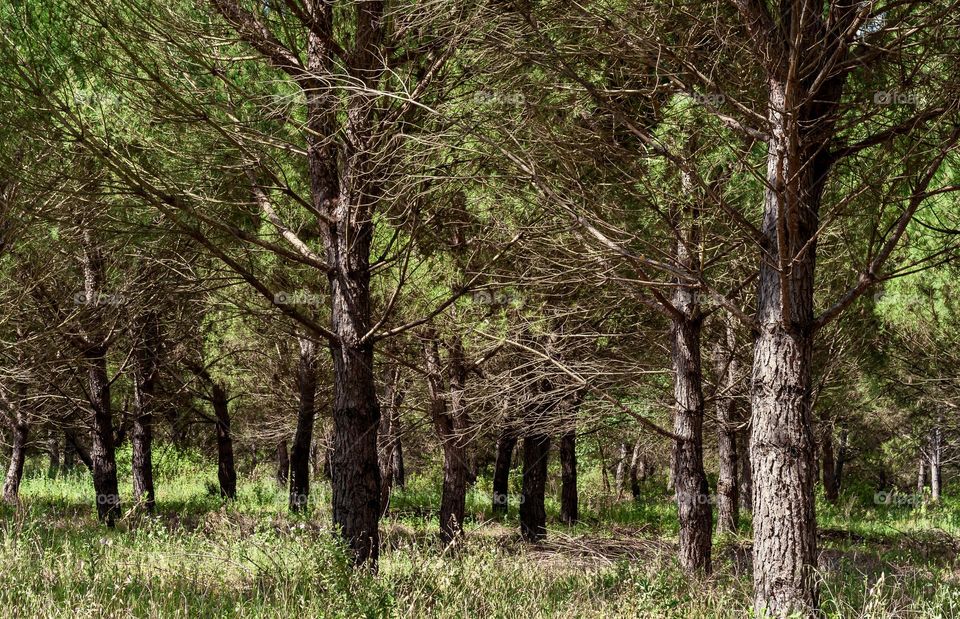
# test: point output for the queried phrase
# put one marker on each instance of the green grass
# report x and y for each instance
(200, 556)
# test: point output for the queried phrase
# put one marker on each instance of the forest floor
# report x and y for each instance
(201, 557)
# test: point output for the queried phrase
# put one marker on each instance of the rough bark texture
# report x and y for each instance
(303, 437)
(533, 514)
(638, 469)
(146, 365)
(620, 474)
(389, 438)
(728, 490)
(226, 469)
(446, 410)
(20, 433)
(921, 473)
(53, 453)
(569, 504)
(936, 443)
(501, 469)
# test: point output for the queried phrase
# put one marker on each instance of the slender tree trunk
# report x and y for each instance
(20, 434)
(637, 469)
(569, 503)
(935, 460)
(146, 364)
(398, 473)
(389, 442)
(446, 410)
(303, 438)
(226, 469)
(53, 453)
(621, 470)
(921, 474)
(283, 463)
(841, 460)
(533, 513)
(728, 490)
(501, 469)
(829, 468)
(746, 477)
(75, 448)
(603, 465)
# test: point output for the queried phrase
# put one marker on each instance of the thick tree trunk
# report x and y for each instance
(146, 365)
(728, 490)
(829, 467)
(690, 479)
(20, 434)
(283, 463)
(226, 469)
(533, 513)
(501, 469)
(569, 504)
(303, 438)
(102, 452)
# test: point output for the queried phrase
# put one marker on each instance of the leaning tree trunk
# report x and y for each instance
(226, 469)
(303, 438)
(501, 469)
(829, 466)
(146, 364)
(728, 490)
(21, 432)
(533, 513)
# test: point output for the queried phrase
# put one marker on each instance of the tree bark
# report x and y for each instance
(841, 460)
(569, 504)
(53, 453)
(620, 473)
(935, 462)
(501, 469)
(829, 467)
(303, 437)
(102, 452)
(728, 490)
(283, 463)
(20, 433)
(389, 440)
(146, 365)
(226, 469)
(533, 513)
(637, 469)
(921, 473)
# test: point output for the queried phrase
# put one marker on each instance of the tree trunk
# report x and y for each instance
(690, 479)
(102, 452)
(501, 469)
(446, 410)
(829, 468)
(935, 461)
(303, 438)
(21, 432)
(53, 452)
(728, 491)
(621, 470)
(226, 470)
(841, 460)
(569, 505)
(146, 364)
(746, 477)
(921, 474)
(283, 463)
(533, 513)
(75, 448)
(637, 469)
(389, 441)
(603, 465)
